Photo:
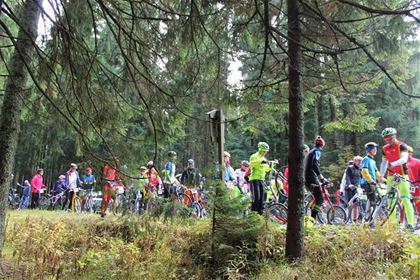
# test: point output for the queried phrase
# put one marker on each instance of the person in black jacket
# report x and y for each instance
(353, 177)
(313, 176)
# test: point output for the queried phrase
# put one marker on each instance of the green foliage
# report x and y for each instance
(358, 122)
(51, 245)
(234, 236)
(335, 171)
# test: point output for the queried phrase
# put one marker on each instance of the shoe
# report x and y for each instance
(410, 228)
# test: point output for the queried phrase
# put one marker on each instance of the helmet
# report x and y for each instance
(262, 146)
(143, 167)
(226, 154)
(73, 165)
(410, 149)
(61, 177)
(305, 148)
(150, 164)
(245, 162)
(171, 154)
(319, 142)
(388, 131)
(191, 161)
(369, 146)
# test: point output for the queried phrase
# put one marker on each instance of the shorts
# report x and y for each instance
(370, 191)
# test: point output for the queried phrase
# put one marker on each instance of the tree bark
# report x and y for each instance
(15, 92)
(295, 216)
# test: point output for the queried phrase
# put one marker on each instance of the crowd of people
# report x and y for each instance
(250, 178)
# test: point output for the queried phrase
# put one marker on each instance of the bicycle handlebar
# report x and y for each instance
(399, 176)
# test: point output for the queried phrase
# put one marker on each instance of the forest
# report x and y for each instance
(84, 81)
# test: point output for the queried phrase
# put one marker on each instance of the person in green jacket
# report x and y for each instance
(259, 167)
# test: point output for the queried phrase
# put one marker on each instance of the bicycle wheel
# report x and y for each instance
(151, 205)
(336, 215)
(196, 209)
(278, 213)
(321, 217)
(44, 202)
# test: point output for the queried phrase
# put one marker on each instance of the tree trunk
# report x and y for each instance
(295, 228)
(15, 92)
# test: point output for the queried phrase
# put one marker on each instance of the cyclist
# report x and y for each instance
(37, 184)
(60, 187)
(259, 167)
(26, 195)
(154, 180)
(88, 184)
(72, 181)
(240, 177)
(110, 175)
(395, 157)
(352, 182)
(414, 174)
(313, 176)
(190, 178)
(169, 175)
(370, 175)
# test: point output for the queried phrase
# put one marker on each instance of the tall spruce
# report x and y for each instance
(16, 91)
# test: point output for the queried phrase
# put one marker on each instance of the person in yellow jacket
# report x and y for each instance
(259, 167)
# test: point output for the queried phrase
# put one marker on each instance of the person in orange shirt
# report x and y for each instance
(110, 175)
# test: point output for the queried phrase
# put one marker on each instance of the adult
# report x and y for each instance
(72, 182)
(36, 187)
(190, 178)
(352, 183)
(111, 178)
(259, 167)
(414, 175)
(370, 175)
(229, 173)
(88, 184)
(313, 176)
(394, 160)
(26, 195)
(169, 175)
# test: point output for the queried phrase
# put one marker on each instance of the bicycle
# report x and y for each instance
(355, 202)
(120, 202)
(383, 210)
(13, 198)
(88, 205)
(52, 201)
(43, 201)
(76, 203)
(329, 212)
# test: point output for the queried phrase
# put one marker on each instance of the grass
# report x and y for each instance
(55, 245)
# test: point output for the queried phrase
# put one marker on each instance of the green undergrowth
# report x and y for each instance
(48, 245)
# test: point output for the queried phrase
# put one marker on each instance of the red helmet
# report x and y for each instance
(319, 142)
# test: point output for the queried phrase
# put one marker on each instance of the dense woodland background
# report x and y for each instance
(136, 78)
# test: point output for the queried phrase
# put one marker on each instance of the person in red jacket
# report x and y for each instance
(414, 175)
(37, 187)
